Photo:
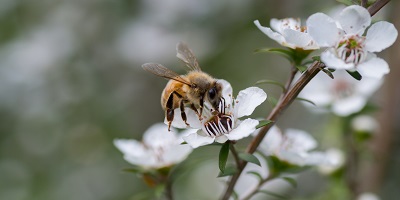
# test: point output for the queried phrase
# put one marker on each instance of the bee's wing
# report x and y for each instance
(162, 71)
(186, 55)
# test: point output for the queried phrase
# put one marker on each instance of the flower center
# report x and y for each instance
(342, 89)
(219, 124)
(350, 49)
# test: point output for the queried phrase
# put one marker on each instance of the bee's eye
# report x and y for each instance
(211, 93)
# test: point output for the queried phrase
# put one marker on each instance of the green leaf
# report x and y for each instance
(272, 100)
(355, 75)
(291, 181)
(258, 175)
(263, 123)
(249, 158)
(286, 53)
(328, 72)
(223, 156)
(306, 100)
(271, 82)
(229, 171)
(273, 194)
(316, 58)
(301, 68)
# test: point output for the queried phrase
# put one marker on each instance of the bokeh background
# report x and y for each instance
(71, 81)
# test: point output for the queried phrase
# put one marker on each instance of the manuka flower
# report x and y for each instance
(160, 148)
(225, 124)
(349, 48)
(289, 33)
(293, 147)
(343, 95)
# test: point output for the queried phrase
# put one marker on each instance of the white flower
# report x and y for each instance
(348, 48)
(159, 148)
(336, 160)
(225, 126)
(289, 33)
(343, 94)
(293, 147)
(365, 123)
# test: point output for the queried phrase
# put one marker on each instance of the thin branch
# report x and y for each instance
(235, 154)
(374, 8)
(257, 188)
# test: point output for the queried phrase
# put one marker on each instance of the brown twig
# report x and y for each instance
(374, 8)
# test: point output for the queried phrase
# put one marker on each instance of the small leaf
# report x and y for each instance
(229, 171)
(263, 123)
(301, 68)
(355, 75)
(306, 100)
(273, 194)
(272, 100)
(271, 82)
(286, 53)
(316, 58)
(223, 156)
(328, 72)
(291, 181)
(260, 178)
(249, 158)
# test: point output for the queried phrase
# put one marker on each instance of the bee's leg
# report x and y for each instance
(169, 113)
(181, 106)
(195, 110)
(183, 114)
(201, 103)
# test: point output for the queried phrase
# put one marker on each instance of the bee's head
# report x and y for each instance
(214, 95)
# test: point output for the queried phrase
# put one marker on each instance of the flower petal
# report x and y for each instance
(374, 68)
(158, 135)
(380, 36)
(244, 129)
(247, 100)
(176, 153)
(130, 147)
(299, 141)
(192, 119)
(276, 25)
(272, 141)
(195, 140)
(332, 61)
(347, 106)
(271, 34)
(221, 139)
(226, 92)
(323, 30)
(299, 39)
(354, 19)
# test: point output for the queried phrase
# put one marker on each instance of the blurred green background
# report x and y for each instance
(71, 82)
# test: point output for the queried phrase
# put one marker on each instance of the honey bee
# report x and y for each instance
(191, 89)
